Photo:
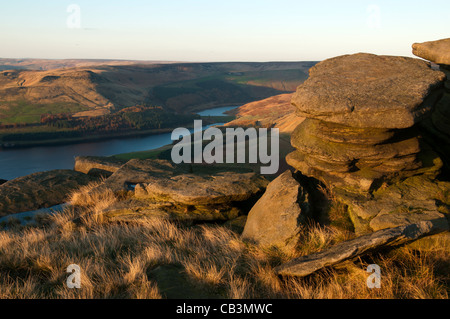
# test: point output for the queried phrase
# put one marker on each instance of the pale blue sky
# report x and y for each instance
(226, 30)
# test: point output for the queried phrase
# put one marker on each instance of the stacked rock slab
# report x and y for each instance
(439, 123)
(361, 111)
(160, 188)
(361, 130)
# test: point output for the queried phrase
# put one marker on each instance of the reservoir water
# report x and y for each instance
(17, 162)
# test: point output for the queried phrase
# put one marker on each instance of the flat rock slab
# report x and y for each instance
(305, 140)
(140, 171)
(160, 181)
(434, 51)
(391, 237)
(356, 181)
(39, 190)
(346, 134)
(370, 91)
(276, 218)
(138, 209)
(189, 189)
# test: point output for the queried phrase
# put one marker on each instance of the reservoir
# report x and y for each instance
(16, 162)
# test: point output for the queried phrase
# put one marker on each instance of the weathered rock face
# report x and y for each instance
(161, 188)
(358, 167)
(391, 237)
(39, 190)
(3, 181)
(369, 91)
(414, 199)
(435, 51)
(96, 165)
(276, 218)
(437, 128)
(360, 111)
(362, 139)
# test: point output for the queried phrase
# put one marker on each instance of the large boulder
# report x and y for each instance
(276, 218)
(158, 187)
(369, 91)
(39, 190)
(160, 179)
(435, 51)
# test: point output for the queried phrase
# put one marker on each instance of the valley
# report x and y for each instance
(45, 102)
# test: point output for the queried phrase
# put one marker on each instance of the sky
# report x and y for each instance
(211, 30)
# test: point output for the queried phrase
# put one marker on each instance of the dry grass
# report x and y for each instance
(118, 260)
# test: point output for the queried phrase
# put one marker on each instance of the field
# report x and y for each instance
(56, 129)
(23, 111)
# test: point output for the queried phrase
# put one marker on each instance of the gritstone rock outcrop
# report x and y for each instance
(160, 188)
(361, 137)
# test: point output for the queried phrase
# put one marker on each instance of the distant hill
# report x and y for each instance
(275, 111)
(31, 88)
(50, 64)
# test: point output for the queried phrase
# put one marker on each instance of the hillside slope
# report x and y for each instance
(275, 111)
(179, 87)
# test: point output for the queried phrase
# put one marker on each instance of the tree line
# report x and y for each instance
(135, 118)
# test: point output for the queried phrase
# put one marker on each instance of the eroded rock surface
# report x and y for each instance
(362, 137)
(276, 218)
(418, 198)
(435, 51)
(97, 165)
(158, 187)
(437, 128)
(39, 190)
(369, 91)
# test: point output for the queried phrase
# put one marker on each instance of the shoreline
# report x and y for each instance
(102, 137)
(84, 139)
